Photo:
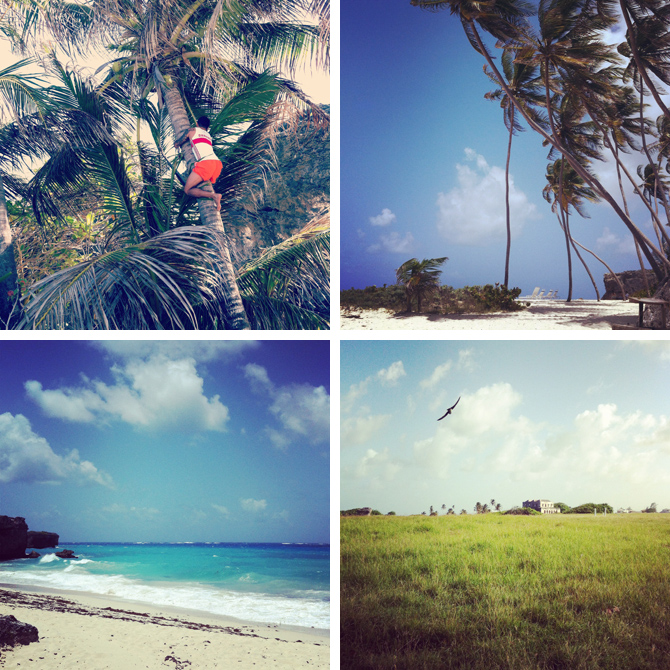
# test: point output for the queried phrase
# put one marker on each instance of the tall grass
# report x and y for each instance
(492, 591)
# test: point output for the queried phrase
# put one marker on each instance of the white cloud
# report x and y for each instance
(439, 373)
(392, 374)
(611, 243)
(301, 409)
(393, 242)
(386, 218)
(221, 510)
(359, 430)
(156, 393)
(473, 213)
(27, 457)
(200, 350)
(251, 505)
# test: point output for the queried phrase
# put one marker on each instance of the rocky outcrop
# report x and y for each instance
(13, 632)
(632, 280)
(66, 553)
(13, 537)
(41, 539)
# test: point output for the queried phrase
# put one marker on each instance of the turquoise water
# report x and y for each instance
(269, 583)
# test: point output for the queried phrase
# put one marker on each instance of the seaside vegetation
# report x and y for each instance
(439, 300)
(557, 72)
(95, 229)
(486, 591)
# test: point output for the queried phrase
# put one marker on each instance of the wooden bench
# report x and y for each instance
(652, 302)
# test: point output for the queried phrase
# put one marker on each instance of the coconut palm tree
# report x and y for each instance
(171, 277)
(524, 84)
(20, 95)
(418, 277)
(566, 42)
(176, 47)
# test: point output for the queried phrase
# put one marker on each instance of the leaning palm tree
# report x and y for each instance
(168, 46)
(524, 84)
(418, 277)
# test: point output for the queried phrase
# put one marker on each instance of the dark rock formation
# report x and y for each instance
(13, 537)
(13, 632)
(632, 280)
(66, 553)
(33, 554)
(652, 314)
(42, 539)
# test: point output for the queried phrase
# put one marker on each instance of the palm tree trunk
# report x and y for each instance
(616, 278)
(509, 228)
(645, 244)
(208, 213)
(8, 277)
(563, 220)
(586, 267)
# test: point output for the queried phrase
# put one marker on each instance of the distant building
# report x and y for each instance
(543, 506)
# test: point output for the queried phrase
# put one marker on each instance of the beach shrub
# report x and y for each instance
(439, 300)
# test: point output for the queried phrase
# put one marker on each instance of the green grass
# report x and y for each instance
(492, 591)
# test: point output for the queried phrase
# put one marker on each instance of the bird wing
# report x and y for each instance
(448, 412)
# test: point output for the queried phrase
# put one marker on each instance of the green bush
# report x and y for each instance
(590, 508)
(442, 300)
(526, 511)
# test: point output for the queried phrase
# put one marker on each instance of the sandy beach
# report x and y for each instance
(97, 633)
(541, 315)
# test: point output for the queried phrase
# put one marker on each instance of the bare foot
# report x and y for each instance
(217, 198)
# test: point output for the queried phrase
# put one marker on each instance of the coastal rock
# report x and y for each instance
(13, 537)
(652, 317)
(42, 539)
(632, 280)
(13, 632)
(66, 553)
(33, 554)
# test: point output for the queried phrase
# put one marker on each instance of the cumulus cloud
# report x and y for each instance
(394, 243)
(391, 375)
(473, 213)
(28, 457)
(612, 243)
(302, 410)
(361, 429)
(438, 374)
(154, 393)
(221, 510)
(386, 376)
(199, 350)
(251, 505)
(386, 218)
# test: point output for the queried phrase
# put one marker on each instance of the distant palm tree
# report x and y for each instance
(444, 506)
(478, 508)
(463, 511)
(419, 276)
(498, 507)
(485, 508)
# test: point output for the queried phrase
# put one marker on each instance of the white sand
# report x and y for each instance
(541, 315)
(95, 633)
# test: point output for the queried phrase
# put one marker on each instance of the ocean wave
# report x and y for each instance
(308, 608)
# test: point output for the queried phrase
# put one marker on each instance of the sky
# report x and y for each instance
(423, 164)
(167, 441)
(568, 421)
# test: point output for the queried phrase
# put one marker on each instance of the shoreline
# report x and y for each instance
(541, 315)
(100, 632)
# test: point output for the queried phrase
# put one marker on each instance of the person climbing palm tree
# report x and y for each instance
(207, 166)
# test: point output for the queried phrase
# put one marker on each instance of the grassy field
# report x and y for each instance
(492, 591)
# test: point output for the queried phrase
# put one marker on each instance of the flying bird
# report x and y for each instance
(448, 412)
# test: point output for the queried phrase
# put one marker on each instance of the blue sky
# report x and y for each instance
(423, 158)
(569, 421)
(167, 441)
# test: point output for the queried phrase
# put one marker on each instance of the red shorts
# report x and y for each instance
(208, 170)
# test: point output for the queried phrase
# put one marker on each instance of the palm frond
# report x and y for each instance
(154, 285)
